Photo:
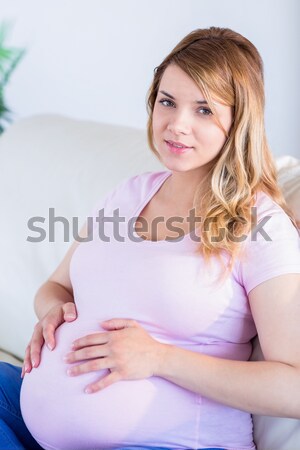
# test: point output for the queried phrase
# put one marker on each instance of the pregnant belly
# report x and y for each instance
(60, 415)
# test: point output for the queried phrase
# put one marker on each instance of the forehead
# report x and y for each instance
(182, 87)
(176, 81)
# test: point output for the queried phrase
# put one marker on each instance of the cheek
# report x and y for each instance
(158, 124)
(210, 135)
(157, 117)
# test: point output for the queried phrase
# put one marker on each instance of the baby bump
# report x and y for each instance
(58, 412)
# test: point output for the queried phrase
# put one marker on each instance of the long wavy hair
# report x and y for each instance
(227, 67)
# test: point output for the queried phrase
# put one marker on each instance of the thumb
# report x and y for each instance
(69, 310)
(117, 324)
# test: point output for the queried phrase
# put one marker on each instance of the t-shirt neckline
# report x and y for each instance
(142, 205)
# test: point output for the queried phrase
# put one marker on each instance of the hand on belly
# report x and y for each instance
(127, 351)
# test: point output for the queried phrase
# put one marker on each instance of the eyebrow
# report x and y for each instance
(200, 102)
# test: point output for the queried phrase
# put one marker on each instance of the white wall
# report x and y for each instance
(94, 59)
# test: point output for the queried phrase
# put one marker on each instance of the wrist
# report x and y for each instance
(50, 294)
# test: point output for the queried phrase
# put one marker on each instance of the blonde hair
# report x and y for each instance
(227, 67)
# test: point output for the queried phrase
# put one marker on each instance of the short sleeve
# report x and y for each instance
(271, 249)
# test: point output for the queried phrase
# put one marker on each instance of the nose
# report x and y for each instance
(179, 124)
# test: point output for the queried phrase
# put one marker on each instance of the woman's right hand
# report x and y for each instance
(44, 332)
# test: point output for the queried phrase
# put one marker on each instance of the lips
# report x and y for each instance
(177, 150)
(177, 143)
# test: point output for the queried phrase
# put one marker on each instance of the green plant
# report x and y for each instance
(9, 59)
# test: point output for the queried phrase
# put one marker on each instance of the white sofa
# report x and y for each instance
(56, 162)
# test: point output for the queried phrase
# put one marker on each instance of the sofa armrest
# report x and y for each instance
(10, 358)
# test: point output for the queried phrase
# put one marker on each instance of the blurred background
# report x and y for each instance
(94, 59)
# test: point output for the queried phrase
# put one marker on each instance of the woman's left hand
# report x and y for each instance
(127, 350)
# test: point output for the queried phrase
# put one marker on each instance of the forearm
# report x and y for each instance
(263, 387)
(49, 295)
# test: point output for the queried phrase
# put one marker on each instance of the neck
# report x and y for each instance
(180, 189)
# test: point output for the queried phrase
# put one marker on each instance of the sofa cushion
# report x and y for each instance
(289, 179)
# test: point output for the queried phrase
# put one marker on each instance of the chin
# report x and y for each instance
(179, 166)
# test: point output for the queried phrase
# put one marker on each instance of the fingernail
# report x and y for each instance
(70, 316)
(33, 363)
(26, 367)
(88, 390)
(50, 346)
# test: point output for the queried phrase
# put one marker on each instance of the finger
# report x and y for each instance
(50, 323)
(113, 377)
(36, 345)
(91, 339)
(70, 312)
(23, 369)
(91, 366)
(117, 324)
(96, 351)
(23, 372)
(49, 334)
(27, 362)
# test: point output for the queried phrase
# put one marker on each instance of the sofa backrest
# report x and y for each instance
(53, 162)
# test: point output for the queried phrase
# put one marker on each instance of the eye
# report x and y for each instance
(163, 101)
(206, 111)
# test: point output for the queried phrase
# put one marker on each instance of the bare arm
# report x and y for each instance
(53, 304)
(50, 294)
(57, 290)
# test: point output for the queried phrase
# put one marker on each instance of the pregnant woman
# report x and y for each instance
(144, 334)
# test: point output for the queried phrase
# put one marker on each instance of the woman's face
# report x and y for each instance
(182, 115)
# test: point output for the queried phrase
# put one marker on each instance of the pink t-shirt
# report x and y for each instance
(164, 286)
